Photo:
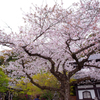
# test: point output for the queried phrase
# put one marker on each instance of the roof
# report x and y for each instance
(94, 57)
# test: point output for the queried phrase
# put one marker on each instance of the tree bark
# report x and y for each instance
(65, 93)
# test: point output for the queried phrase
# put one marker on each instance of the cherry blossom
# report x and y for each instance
(56, 40)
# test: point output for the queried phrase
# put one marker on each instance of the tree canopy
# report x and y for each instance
(59, 41)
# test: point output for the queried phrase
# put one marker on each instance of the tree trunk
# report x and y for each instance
(65, 93)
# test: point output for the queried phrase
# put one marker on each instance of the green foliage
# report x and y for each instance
(47, 95)
(46, 79)
(72, 91)
(72, 88)
(3, 81)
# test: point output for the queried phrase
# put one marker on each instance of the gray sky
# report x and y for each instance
(11, 14)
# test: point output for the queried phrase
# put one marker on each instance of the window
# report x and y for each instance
(86, 94)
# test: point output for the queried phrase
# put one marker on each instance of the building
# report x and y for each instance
(89, 89)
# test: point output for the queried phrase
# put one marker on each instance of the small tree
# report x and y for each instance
(53, 40)
(3, 81)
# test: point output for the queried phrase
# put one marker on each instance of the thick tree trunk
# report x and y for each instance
(65, 93)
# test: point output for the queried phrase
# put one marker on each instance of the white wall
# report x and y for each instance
(80, 93)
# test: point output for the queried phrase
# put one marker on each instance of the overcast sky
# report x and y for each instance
(11, 14)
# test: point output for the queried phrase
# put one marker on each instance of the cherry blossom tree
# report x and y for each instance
(59, 41)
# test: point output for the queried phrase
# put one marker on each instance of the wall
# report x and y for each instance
(73, 98)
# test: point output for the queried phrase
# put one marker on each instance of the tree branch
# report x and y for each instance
(41, 56)
(44, 31)
(73, 72)
(36, 84)
(58, 66)
(92, 66)
(52, 70)
(82, 49)
(88, 55)
(81, 63)
(7, 44)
